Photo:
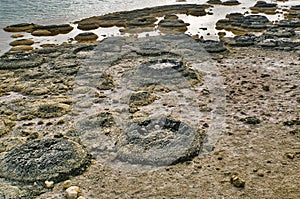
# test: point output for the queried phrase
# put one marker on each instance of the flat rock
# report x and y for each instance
(22, 48)
(22, 27)
(86, 37)
(22, 42)
(46, 159)
(160, 141)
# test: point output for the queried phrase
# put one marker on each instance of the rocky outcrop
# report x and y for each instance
(264, 7)
(46, 159)
(238, 23)
(140, 17)
(86, 37)
(51, 30)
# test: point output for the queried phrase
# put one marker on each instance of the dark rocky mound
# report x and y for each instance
(140, 17)
(240, 23)
(46, 159)
(160, 141)
(162, 72)
(264, 7)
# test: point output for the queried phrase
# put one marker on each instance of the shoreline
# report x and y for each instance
(205, 29)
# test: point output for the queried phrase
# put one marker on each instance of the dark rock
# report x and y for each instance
(17, 60)
(52, 30)
(88, 26)
(264, 7)
(251, 120)
(216, 2)
(142, 21)
(292, 122)
(161, 141)
(231, 3)
(213, 46)
(46, 159)
(86, 37)
(23, 27)
(238, 22)
(241, 40)
(289, 23)
(141, 98)
(172, 24)
(196, 12)
(280, 32)
(121, 19)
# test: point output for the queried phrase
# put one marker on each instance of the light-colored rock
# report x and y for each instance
(81, 197)
(66, 184)
(237, 182)
(22, 48)
(72, 192)
(49, 184)
(16, 35)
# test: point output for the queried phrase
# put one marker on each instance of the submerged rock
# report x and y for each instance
(46, 159)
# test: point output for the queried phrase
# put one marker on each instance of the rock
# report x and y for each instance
(170, 25)
(142, 22)
(41, 33)
(213, 46)
(241, 40)
(279, 32)
(72, 192)
(231, 3)
(17, 60)
(23, 27)
(50, 109)
(88, 26)
(251, 120)
(237, 182)
(49, 184)
(25, 48)
(52, 30)
(264, 7)
(21, 42)
(216, 2)
(86, 37)
(161, 141)
(54, 159)
(289, 23)
(17, 35)
(81, 197)
(290, 155)
(239, 23)
(141, 98)
(66, 184)
(196, 12)
(121, 19)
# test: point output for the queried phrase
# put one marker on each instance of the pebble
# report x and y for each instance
(72, 192)
(66, 184)
(290, 155)
(49, 184)
(237, 182)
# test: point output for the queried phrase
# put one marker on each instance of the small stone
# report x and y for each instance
(66, 184)
(237, 182)
(72, 192)
(49, 184)
(290, 155)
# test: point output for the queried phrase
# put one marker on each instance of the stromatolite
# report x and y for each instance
(45, 159)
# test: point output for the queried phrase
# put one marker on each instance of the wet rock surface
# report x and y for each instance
(140, 17)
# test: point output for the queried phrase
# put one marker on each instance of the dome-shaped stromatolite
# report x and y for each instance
(160, 141)
(86, 37)
(46, 159)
